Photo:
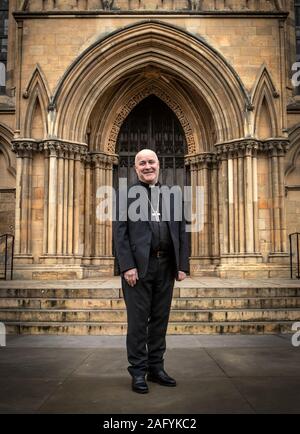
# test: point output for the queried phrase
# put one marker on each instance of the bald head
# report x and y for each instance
(145, 153)
(147, 166)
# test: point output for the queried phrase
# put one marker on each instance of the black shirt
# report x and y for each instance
(161, 238)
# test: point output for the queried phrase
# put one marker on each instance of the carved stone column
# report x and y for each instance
(102, 229)
(70, 203)
(63, 190)
(238, 201)
(24, 150)
(214, 207)
(276, 150)
(241, 201)
(52, 149)
(223, 204)
(249, 209)
(87, 210)
(60, 201)
(205, 244)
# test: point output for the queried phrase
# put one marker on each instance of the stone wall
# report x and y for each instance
(152, 5)
(221, 66)
(7, 211)
(7, 198)
(293, 199)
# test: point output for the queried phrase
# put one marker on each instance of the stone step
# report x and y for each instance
(113, 293)
(60, 293)
(97, 308)
(119, 315)
(177, 303)
(70, 328)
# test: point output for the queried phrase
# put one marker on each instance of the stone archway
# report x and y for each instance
(104, 128)
(84, 120)
(110, 144)
(190, 76)
(7, 182)
(172, 51)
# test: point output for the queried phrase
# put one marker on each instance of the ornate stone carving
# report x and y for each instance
(195, 5)
(277, 147)
(24, 148)
(152, 5)
(208, 160)
(249, 147)
(107, 5)
(134, 101)
(63, 149)
(57, 148)
(103, 161)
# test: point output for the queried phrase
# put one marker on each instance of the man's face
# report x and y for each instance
(147, 167)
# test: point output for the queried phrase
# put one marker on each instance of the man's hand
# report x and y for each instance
(181, 276)
(131, 276)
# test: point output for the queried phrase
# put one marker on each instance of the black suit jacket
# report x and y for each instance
(132, 240)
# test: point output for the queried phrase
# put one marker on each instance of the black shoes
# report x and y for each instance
(139, 384)
(162, 378)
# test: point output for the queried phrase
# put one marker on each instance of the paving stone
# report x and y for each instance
(19, 395)
(260, 362)
(271, 394)
(109, 395)
(40, 362)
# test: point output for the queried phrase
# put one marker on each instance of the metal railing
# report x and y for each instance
(294, 254)
(7, 242)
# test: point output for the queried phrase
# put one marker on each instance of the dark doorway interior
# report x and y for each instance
(152, 125)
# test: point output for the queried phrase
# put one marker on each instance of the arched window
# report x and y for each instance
(3, 43)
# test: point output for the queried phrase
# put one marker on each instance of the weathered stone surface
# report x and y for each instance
(242, 142)
(247, 310)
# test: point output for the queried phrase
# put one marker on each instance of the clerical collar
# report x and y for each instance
(144, 184)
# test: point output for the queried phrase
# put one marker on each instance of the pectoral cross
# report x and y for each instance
(156, 214)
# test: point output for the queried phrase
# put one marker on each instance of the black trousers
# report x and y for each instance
(148, 306)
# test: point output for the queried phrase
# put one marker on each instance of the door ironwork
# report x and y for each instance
(152, 125)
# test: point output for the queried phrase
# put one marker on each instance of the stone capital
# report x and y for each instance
(199, 161)
(275, 147)
(103, 161)
(249, 147)
(62, 149)
(237, 149)
(24, 148)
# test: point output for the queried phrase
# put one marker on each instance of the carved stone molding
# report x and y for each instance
(134, 101)
(250, 147)
(109, 6)
(24, 148)
(57, 148)
(207, 160)
(61, 149)
(102, 161)
(275, 146)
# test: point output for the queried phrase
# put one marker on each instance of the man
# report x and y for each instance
(151, 253)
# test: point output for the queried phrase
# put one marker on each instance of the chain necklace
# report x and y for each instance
(155, 213)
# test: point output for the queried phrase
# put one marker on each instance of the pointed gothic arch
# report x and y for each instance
(264, 98)
(37, 92)
(123, 104)
(6, 136)
(294, 151)
(190, 60)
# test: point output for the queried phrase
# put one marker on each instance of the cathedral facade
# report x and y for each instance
(211, 86)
